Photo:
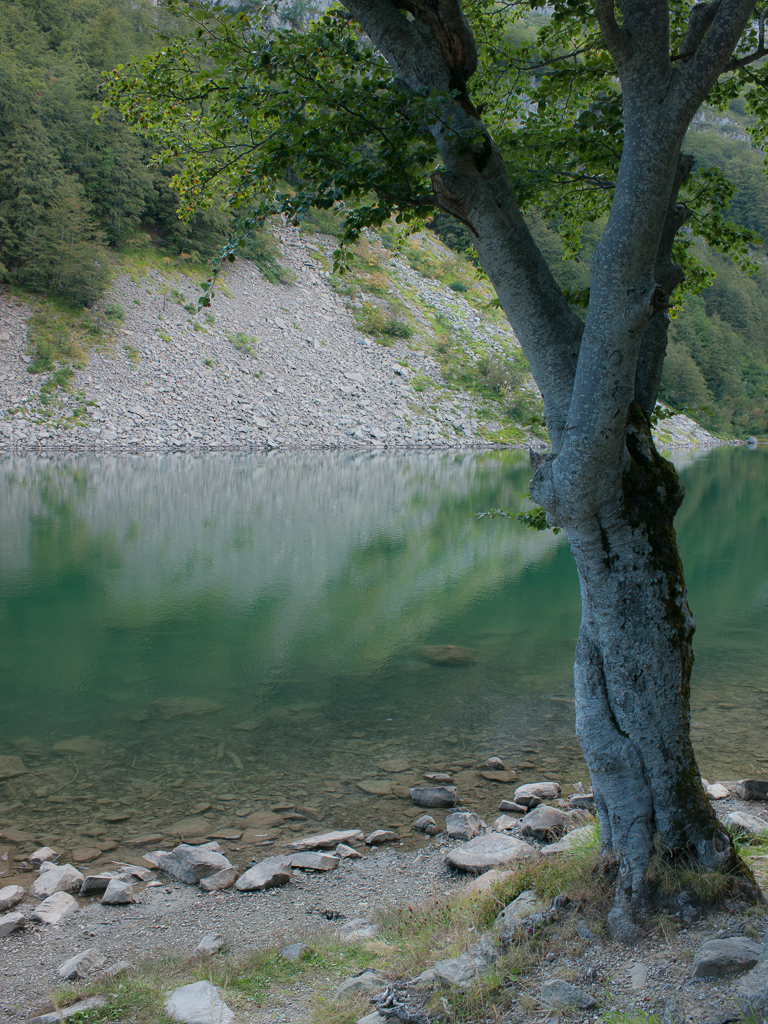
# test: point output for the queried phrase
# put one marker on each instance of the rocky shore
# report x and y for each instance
(269, 366)
(61, 923)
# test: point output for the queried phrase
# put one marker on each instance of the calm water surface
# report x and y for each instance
(202, 637)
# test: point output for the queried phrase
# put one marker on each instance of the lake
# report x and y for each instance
(189, 639)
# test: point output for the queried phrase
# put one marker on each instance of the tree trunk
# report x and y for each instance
(632, 679)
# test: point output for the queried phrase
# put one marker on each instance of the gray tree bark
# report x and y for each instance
(603, 482)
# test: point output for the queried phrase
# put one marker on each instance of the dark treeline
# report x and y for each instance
(70, 187)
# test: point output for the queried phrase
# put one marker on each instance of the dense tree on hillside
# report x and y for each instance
(407, 106)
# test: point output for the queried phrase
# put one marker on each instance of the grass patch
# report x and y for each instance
(243, 342)
(132, 352)
(382, 323)
(263, 250)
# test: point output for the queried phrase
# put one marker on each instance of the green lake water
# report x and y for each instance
(234, 632)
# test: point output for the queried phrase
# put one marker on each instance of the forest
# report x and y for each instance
(74, 191)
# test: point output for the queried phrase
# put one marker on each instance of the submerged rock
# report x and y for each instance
(448, 654)
(434, 796)
(382, 835)
(328, 839)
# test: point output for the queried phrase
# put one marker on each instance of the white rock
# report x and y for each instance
(357, 928)
(347, 852)
(328, 839)
(54, 909)
(717, 791)
(11, 923)
(491, 851)
(749, 824)
(503, 822)
(199, 1003)
(533, 793)
(10, 896)
(311, 861)
(382, 835)
(267, 874)
(56, 878)
(638, 976)
(41, 856)
(209, 944)
(118, 892)
(221, 880)
(81, 965)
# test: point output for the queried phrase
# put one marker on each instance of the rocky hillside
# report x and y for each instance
(404, 350)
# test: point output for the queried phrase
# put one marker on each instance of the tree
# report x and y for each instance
(372, 105)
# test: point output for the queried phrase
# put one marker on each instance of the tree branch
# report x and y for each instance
(616, 39)
(713, 53)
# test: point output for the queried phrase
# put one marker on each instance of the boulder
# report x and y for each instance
(746, 824)
(491, 851)
(81, 965)
(209, 945)
(751, 789)
(357, 928)
(219, 881)
(544, 823)
(561, 994)
(463, 825)
(532, 793)
(57, 878)
(368, 983)
(504, 822)
(752, 992)
(434, 796)
(117, 892)
(579, 839)
(313, 861)
(720, 957)
(527, 903)
(41, 856)
(54, 909)
(345, 852)
(327, 840)
(268, 874)
(11, 923)
(191, 864)
(426, 823)
(382, 835)
(10, 897)
(199, 1003)
(69, 1011)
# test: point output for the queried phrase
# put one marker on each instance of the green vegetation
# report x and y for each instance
(243, 342)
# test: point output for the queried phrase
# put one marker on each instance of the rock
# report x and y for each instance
(544, 822)
(11, 923)
(585, 801)
(84, 854)
(438, 776)
(367, 983)
(54, 909)
(434, 796)
(191, 864)
(81, 965)
(510, 807)
(426, 824)
(264, 820)
(347, 852)
(746, 824)
(10, 766)
(376, 787)
(719, 957)
(382, 835)
(503, 822)
(491, 851)
(79, 745)
(43, 856)
(579, 839)
(463, 825)
(69, 1011)
(495, 764)
(220, 880)
(357, 928)
(129, 871)
(57, 878)
(448, 654)
(716, 791)
(15, 837)
(424, 981)
(174, 707)
(397, 765)
(532, 793)
(752, 992)
(94, 884)
(268, 874)
(293, 952)
(558, 993)
(328, 839)
(485, 882)
(751, 789)
(638, 976)
(505, 776)
(188, 828)
(209, 945)
(117, 892)
(150, 839)
(527, 903)
(311, 861)
(752, 441)
(465, 970)
(10, 896)
(199, 1003)
(374, 1018)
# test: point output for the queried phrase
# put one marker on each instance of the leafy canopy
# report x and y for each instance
(278, 120)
